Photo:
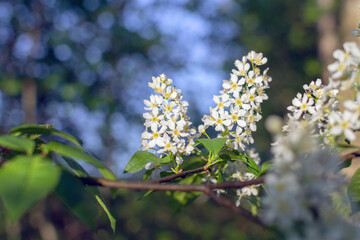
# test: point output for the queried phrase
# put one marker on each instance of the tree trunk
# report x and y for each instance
(28, 101)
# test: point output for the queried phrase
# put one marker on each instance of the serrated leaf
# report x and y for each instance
(354, 192)
(213, 145)
(141, 158)
(80, 202)
(17, 143)
(24, 181)
(80, 154)
(30, 129)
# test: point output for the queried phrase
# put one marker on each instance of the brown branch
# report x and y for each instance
(204, 188)
(137, 185)
(226, 203)
(237, 184)
(180, 175)
(350, 156)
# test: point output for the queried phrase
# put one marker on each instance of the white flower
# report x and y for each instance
(238, 106)
(256, 58)
(155, 101)
(241, 102)
(302, 104)
(221, 119)
(251, 119)
(169, 114)
(236, 115)
(168, 145)
(243, 67)
(345, 124)
(155, 137)
(221, 101)
(153, 118)
(233, 85)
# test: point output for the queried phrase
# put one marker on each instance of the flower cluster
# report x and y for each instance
(238, 106)
(319, 104)
(168, 129)
(299, 189)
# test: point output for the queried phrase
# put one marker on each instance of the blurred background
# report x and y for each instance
(84, 66)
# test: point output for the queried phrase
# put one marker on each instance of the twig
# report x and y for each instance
(180, 175)
(350, 156)
(226, 203)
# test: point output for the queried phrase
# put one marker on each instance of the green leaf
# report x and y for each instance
(80, 171)
(166, 173)
(77, 199)
(100, 200)
(265, 167)
(220, 175)
(235, 155)
(147, 174)
(79, 153)
(343, 164)
(141, 158)
(145, 195)
(213, 145)
(24, 181)
(179, 200)
(252, 166)
(354, 192)
(18, 143)
(38, 130)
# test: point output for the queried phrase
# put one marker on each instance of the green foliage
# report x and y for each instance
(179, 200)
(94, 191)
(213, 145)
(80, 202)
(235, 155)
(265, 167)
(30, 178)
(141, 158)
(354, 192)
(26, 180)
(78, 153)
(34, 131)
(18, 143)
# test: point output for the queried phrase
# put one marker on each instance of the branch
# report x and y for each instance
(180, 175)
(226, 203)
(204, 188)
(350, 156)
(137, 185)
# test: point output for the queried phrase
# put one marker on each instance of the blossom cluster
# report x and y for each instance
(168, 128)
(319, 103)
(299, 189)
(238, 106)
